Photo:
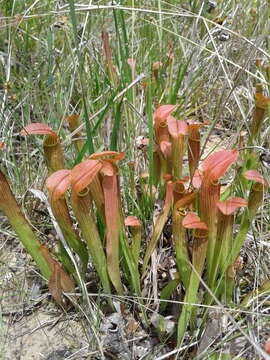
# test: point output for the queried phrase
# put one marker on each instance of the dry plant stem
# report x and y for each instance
(81, 205)
(160, 223)
(198, 258)
(53, 154)
(18, 222)
(61, 213)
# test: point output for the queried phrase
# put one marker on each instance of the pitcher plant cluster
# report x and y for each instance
(203, 215)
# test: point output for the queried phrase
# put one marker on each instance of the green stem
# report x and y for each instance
(61, 213)
(181, 250)
(21, 227)
(198, 259)
(81, 206)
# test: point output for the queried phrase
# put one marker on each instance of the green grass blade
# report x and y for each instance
(89, 140)
(166, 293)
(50, 58)
(104, 112)
(81, 154)
(73, 18)
(182, 70)
(116, 127)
